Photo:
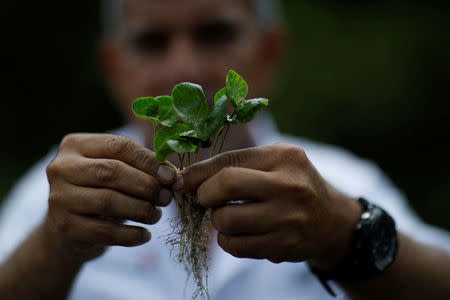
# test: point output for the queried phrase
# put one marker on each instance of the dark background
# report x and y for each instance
(371, 76)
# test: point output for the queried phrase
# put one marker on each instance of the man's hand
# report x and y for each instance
(288, 211)
(96, 182)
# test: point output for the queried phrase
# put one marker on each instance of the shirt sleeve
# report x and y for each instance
(25, 207)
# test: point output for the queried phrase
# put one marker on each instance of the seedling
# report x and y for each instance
(182, 124)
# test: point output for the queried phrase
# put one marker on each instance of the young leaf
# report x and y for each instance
(166, 133)
(237, 88)
(166, 112)
(181, 146)
(164, 153)
(146, 108)
(192, 137)
(220, 94)
(190, 103)
(215, 119)
(247, 110)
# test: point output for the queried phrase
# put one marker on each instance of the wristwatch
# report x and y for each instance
(373, 249)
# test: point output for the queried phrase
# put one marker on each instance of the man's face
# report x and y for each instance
(170, 41)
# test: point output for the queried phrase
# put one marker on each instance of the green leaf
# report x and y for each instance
(220, 94)
(163, 152)
(215, 120)
(237, 88)
(181, 146)
(146, 108)
(247, 110)
(190, 103)
(192, 136)
(166, 112)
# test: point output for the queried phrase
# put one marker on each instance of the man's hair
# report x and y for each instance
(267, 12)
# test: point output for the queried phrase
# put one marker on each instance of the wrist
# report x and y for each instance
(373, 249)
(53, 249)
(349, 212)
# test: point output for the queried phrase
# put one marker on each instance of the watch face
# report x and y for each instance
(384, 241)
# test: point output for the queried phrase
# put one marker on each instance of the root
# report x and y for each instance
(189, 239)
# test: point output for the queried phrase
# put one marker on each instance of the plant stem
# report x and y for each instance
(155, 129)
(189, 159)
(223, 139)
(181, 158)
(196, 155)
(215, 142)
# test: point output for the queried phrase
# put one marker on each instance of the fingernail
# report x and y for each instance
(179, 184)
(156, 215)
(165, 196)
(166, 174)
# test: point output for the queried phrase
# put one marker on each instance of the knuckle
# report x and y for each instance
(54, 199)
(294, 187)
(103, 204)
(106, 171)
(53, 170)
(145, 158)
(228, 159)
(70, 140)
(291, 153)
(228, 180)
(116, 144)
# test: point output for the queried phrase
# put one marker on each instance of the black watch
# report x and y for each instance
(373, 249)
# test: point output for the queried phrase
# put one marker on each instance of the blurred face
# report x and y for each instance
(170, 41)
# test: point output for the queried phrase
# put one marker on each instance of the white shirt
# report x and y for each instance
(148, 272)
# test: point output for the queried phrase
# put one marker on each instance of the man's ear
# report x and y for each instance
(109, 56)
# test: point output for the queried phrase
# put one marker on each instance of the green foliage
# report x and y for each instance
(220, 94)
(237, 88)
(166, 112)
(247, 110)
(215, 120)
(190, 103)
(162, 149)
(146, 108)
(181, 146)
(157, 110)
(199, 124)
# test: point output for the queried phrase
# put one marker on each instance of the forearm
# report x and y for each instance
(34, 272)
(419, 272)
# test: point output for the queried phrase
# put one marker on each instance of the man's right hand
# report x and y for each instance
(96, 182)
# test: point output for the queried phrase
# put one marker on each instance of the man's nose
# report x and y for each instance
(183, 62)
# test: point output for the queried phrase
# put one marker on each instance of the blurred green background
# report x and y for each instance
(371, 76)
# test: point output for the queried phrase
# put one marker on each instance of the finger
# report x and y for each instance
(97, 231)
(123, 149)
(247, 246)
(114, 174)
(258, 158)
(232, 184)
(106, 203)
(239, 219)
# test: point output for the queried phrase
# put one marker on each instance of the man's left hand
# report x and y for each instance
(271, 203)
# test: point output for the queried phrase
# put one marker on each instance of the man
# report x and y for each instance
(303, 204)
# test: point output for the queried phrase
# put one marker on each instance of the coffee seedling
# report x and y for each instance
(183, 123)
